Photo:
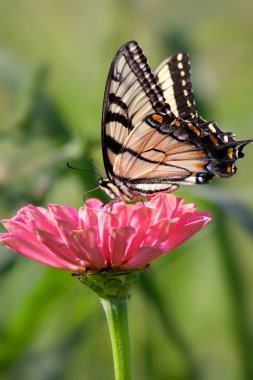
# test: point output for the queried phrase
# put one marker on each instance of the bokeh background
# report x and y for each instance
(191, 316)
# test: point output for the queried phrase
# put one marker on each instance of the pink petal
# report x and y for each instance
(114, 207)
(159, 232)
(187, 218)
(93, 203)
(184, 210)
(140, 221)
(65, 229)
(30, 212)
(88, 217)
(35, 251)
(140, 218)
(18, 228)
(119, 241)
(24, 211)
(88, 248)
(66, 213)
(23, 217)
(164, 204)
(123, 212)
(143, 257)
(67, 234)
(27, 215)
(186, 231)
(126, 213)
(39, 220)
(56, 245)
(106, 222)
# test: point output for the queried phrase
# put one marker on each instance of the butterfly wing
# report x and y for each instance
(153, 138)
(174, 77)
(131, 94)
(158, 154)
(153, 158)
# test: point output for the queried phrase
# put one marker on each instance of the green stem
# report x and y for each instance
(116, 314)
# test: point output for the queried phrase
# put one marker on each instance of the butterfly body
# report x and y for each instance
(153, 138)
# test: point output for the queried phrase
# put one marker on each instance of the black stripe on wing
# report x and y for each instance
(119, 118)
(117, 100)
(139, 65)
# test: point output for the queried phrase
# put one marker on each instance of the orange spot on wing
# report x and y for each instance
(230, 152)
(157, 118)
(214, 140)
(229, 169)
(199, 153)
(176, 123)
(80, 228)
(199, 166)
(194, 129)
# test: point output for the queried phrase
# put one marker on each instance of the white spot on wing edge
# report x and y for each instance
(180, 57)
(212, 127)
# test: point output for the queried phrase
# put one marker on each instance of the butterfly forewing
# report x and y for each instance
(131, 94)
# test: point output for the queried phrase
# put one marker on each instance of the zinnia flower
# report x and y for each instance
(116, 237)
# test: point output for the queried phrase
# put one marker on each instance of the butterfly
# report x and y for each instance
(153, 139)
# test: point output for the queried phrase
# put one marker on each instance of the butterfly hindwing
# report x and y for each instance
(152, 154)
(158, 153)
(174, 77)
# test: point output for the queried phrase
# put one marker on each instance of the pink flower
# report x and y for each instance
(120, 236)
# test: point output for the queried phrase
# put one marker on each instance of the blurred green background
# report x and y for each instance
(191, 316)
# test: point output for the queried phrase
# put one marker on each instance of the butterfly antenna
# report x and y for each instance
(83, 170)
(89, 191)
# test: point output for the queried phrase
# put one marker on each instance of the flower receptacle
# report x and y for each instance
(111, 283)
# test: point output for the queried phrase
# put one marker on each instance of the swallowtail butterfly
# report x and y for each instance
(153, 138)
